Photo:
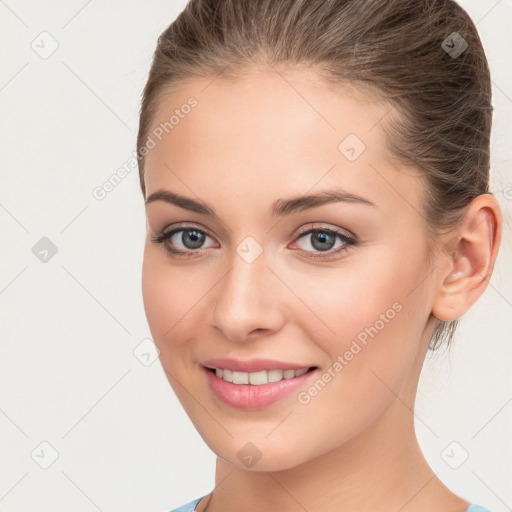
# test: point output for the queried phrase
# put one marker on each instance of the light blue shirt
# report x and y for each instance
(190, 507)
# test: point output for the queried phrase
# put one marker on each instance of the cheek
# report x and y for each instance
(176, 300)
(370, 320)
(167, 298)
(347, 303)
(168, 303)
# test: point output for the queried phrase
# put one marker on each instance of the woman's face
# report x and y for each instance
(350, 302)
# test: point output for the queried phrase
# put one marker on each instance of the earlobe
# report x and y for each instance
(468, 259)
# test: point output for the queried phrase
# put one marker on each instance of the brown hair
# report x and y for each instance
(411, 53)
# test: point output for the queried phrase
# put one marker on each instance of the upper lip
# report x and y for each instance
(252, 365)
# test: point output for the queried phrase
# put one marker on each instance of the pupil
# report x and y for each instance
(193, 238)
(322, 238)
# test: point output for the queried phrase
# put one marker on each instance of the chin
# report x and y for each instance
(261, 455)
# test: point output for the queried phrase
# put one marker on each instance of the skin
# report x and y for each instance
(248, 143)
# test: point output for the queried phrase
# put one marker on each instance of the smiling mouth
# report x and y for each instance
(258, 378)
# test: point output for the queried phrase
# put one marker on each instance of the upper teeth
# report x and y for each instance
(258, 378)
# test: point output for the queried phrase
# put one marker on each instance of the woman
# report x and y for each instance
(316, 179)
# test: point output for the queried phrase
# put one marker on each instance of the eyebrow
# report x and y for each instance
(279, 208)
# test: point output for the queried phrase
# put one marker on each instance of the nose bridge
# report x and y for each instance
(246, 299)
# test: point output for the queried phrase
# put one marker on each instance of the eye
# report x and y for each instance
(182, 241)
(323, 240)
(188, 241)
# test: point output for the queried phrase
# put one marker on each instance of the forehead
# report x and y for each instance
(285, 128)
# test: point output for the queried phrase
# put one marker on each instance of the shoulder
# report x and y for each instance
(190, 507)
(477, 508)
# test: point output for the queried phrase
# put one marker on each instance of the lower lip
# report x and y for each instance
(247, 396)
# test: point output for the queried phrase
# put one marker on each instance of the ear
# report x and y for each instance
(467, 259)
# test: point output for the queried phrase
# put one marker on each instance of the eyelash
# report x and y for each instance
(164, 237)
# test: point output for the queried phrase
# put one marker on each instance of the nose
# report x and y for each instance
(248, 301)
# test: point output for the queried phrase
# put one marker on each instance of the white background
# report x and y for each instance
(69, 326)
